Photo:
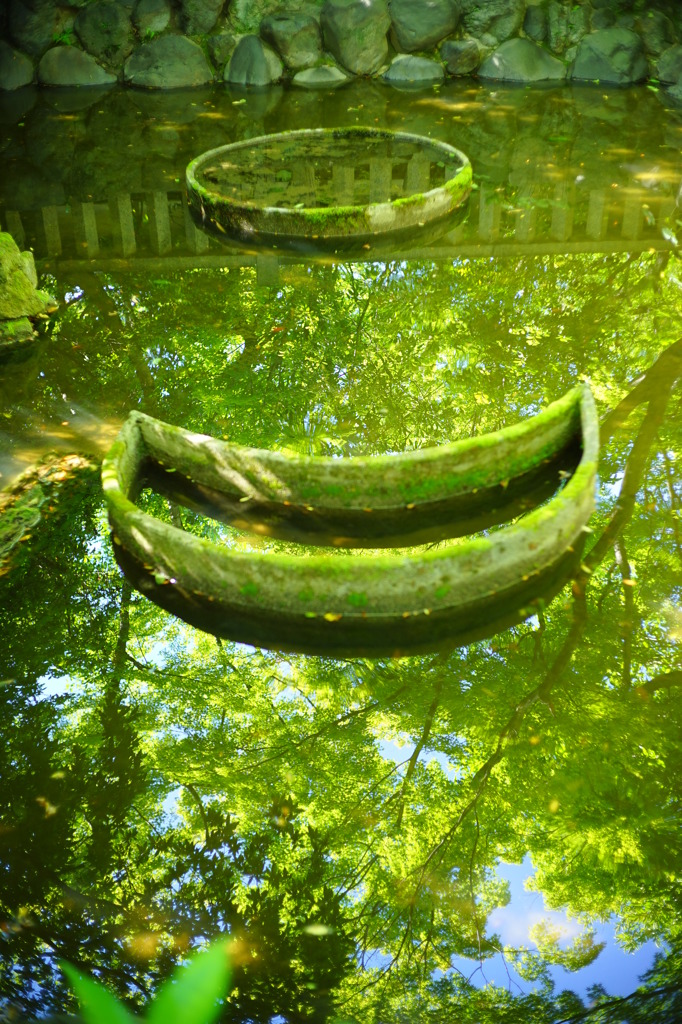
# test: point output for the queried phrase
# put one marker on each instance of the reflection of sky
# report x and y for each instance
(616, 970)
(57, 686)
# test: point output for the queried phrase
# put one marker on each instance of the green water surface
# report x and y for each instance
(360, 829)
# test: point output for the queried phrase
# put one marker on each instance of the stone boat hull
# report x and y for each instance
(386, 603)
(235, 192)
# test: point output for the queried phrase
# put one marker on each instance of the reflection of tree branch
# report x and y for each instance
(341, 720)
(674, 504)
(628, 622)
(428, 724)
(197, 796)
(477, 836)
(94, 903)
(541, 691)
(667, 367)
(635, 468)
(138, 664)
(368, 792)
(663, 681)
(113, 973)
(123, 630)
(359, 876)
(622, 1002)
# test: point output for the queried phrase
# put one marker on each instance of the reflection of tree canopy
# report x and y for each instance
(184, 788)
(350, 358)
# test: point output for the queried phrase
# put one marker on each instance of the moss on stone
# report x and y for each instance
(378, 591)
(243, 217)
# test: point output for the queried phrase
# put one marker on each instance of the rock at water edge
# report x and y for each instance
(614, 55)
(420, 24)
(521, 60)
(169, 62)
(199, 16)
(461, 56)
(296, 37)
(68, 66)
(106, 31)
(326, 76)
(253, 64)
(354, 31)
(16, 69)
(408, 70)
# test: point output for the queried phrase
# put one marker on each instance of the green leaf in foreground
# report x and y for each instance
(97, 1004)
(191, 995)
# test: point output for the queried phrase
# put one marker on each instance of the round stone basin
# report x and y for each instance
(327, 189)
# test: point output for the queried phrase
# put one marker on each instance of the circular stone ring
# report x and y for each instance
(327, 189)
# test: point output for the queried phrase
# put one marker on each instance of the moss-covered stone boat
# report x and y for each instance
(327, 189)
(337, 603)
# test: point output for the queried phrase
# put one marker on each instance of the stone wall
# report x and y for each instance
(166, 44)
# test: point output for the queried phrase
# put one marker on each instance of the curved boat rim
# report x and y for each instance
(349, 592)
(326, 221)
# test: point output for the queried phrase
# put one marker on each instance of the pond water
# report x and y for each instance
(486, 833)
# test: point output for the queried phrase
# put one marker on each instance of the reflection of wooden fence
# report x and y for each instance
(156, 228)
(320, 172)
(123, 226)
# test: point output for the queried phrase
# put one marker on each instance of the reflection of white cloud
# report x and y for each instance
(616, 970)
(513, 923)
